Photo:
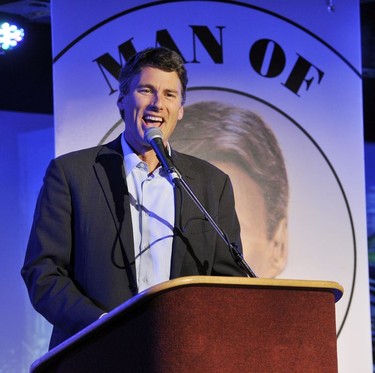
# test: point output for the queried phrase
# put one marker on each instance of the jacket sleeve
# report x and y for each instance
(48, 266)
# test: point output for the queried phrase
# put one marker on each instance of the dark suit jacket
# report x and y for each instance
(80, 256)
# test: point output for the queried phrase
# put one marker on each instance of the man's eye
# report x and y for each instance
(144, 90)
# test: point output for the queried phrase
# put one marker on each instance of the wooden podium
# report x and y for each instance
(210, 324)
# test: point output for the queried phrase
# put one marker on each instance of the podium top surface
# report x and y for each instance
(332, 286)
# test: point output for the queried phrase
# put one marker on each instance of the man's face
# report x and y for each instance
(154, 99)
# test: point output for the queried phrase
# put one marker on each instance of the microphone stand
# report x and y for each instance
(177, 179)
(153, 136)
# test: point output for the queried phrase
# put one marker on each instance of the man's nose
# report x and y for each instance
(157, 102)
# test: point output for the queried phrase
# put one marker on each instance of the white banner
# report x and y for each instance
(291, 70)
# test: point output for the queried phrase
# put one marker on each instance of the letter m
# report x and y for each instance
(110, 68)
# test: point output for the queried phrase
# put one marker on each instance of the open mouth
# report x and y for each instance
(152, 120)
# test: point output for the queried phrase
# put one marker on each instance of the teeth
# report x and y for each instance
(154, 119)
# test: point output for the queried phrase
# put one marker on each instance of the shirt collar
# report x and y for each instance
(131, 159)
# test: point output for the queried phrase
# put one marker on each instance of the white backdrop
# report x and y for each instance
(311, 99)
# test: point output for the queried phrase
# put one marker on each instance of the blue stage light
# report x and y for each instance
(10, 36)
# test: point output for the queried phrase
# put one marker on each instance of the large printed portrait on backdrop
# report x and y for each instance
(240, 143)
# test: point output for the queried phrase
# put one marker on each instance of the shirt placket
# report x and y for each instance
(146, 262)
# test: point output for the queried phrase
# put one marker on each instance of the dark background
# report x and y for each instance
(26, 71)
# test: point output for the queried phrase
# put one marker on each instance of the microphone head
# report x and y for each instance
(152, 133)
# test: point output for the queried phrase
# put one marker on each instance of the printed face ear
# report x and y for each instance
(278, 249)
(181, 113)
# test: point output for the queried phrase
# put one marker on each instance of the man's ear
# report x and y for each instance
(278, 249)
(120, 105)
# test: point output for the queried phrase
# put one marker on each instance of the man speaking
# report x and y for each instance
(109, 222)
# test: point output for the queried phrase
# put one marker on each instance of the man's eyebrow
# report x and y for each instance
(148, 85)
(171, 90)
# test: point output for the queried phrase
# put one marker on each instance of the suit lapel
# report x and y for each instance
(109, 168)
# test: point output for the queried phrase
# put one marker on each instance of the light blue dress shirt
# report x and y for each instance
(153, 213)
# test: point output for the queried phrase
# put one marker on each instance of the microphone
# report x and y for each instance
(154, 137)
